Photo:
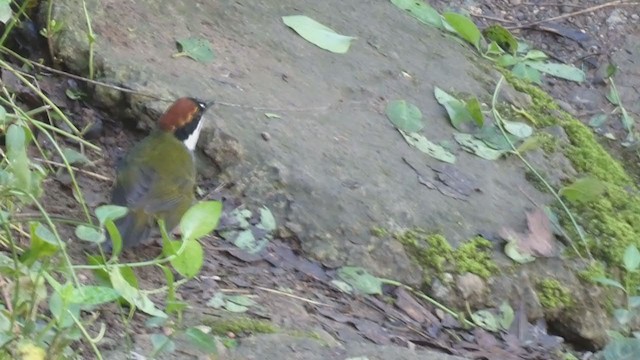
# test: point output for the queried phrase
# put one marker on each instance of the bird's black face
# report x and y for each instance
(184, 120)
(192, 127)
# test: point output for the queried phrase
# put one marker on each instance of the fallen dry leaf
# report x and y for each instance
(538, 241)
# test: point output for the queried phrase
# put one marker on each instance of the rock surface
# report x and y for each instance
(333, 168)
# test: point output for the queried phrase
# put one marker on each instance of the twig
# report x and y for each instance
(290, 109)
(274, 291)
(574, 13)
(86, 172)
(81, 78)
(494, 18)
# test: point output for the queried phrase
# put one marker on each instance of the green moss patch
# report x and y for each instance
(240, 325)
(553, 295)
(612, 222)
(436, 256)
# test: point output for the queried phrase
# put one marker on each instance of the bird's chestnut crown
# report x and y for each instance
(183, 119)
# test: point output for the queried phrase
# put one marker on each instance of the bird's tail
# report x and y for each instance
(133, 227)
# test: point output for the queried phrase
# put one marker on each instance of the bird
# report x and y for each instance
(156, 178)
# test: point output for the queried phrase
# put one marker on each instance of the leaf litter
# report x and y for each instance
(392, 314)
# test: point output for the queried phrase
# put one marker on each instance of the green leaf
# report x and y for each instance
(110, 212)
(203, 341)
(198, 49)
(429, 148)
(16, 143)
(622, 316)
(162, 343)
(43, 244)
(502, 37)
(189, 262)
(342, 286)
(457, 109)
(609, 282)
(634, 301)
(622, 349)
(518, 129)
(567, 72)
(61, 310)
(361, 280)
(613, 96)
(116, 238)
(93, 295)
(404, 116)
(583, 190)
(475, 110)
(512, 251)
(240, 300)
(201, 219)
(132, 295)
(74, 94)
(493, 137)
(5, 11)
(421, 11)
(598, 120)
(318, 34)
(535, 55)
(494, 49)
(246, 240)
(507, 60)
(627, 120)
(267, 221)
(217, 300)
(631, 258)
(486, 320)
(507, 315)
(90, 234)
(464, 27)
(478, 147)
(235, 308)
(611, 70)
(525, 72)
(74, 157)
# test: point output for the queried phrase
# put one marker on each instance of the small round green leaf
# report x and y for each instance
(201, 219)
(90, 234)
(5, 11)
(361, 280)
(631, 258)
(203, 341)
(110, 212)
(189, 262)
(583, 190)
(162, 343)
(518, 129)
(404, 116)
(132, 295)
(93, 295)
(198, 49)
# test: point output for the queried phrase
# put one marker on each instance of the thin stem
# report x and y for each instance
(91, 37)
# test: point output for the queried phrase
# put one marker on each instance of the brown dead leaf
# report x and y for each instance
(538, 241)
(407, 303)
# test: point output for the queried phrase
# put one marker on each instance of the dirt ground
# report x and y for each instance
(295, 293)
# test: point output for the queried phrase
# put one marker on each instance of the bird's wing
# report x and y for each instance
(137, 189)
